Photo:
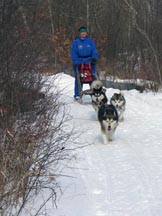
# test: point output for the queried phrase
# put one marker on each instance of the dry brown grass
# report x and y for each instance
(29, 143)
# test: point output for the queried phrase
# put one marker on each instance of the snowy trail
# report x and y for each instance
(123, 178)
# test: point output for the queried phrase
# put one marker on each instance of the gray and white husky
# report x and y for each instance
(108, 118)
(98, 94)
(118, 100)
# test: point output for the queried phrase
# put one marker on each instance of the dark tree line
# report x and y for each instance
(132, 30)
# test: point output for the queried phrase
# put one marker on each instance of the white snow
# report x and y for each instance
(123, 178)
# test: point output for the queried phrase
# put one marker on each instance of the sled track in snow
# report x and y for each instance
(106, 179)
(122, 178)
(96, 179)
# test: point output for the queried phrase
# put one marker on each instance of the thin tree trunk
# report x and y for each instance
(88, 14)
(134, 13)
(24, 17)
(52, 28)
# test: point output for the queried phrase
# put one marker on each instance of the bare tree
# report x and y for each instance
(145, 34)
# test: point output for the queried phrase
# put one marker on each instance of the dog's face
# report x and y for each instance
(98, 99)
(98, 95)
(97, 91)
(118, 100)
(109, 123)
(108, 115)
(96, 87)
(110, 119)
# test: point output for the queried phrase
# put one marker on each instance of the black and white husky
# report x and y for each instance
(119, 102)
(108, 118)
(98, 95)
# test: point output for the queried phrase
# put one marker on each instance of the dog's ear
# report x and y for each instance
(104, 89)
(105, 115)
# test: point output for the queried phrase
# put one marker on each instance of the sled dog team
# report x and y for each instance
(108, 114)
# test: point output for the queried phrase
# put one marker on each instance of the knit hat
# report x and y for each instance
(82, 29)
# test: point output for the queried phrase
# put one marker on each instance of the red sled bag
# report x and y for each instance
(86, 75)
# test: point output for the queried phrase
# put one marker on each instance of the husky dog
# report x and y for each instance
(98, 95)
(119, 102)
(108, 118)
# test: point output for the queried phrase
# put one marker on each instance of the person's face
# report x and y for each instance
(83, 35)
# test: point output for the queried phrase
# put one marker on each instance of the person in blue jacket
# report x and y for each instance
(83, 50)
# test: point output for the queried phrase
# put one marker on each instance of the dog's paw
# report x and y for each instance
(105, 141)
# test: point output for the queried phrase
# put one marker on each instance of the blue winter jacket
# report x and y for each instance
(83, 51)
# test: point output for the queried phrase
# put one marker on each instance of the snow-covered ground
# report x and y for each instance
(123, 178)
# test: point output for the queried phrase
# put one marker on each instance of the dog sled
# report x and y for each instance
(85, 76)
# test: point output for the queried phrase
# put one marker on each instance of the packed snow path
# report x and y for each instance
(123, 178)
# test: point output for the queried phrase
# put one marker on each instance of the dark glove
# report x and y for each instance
(78, 61)
(86, 60)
